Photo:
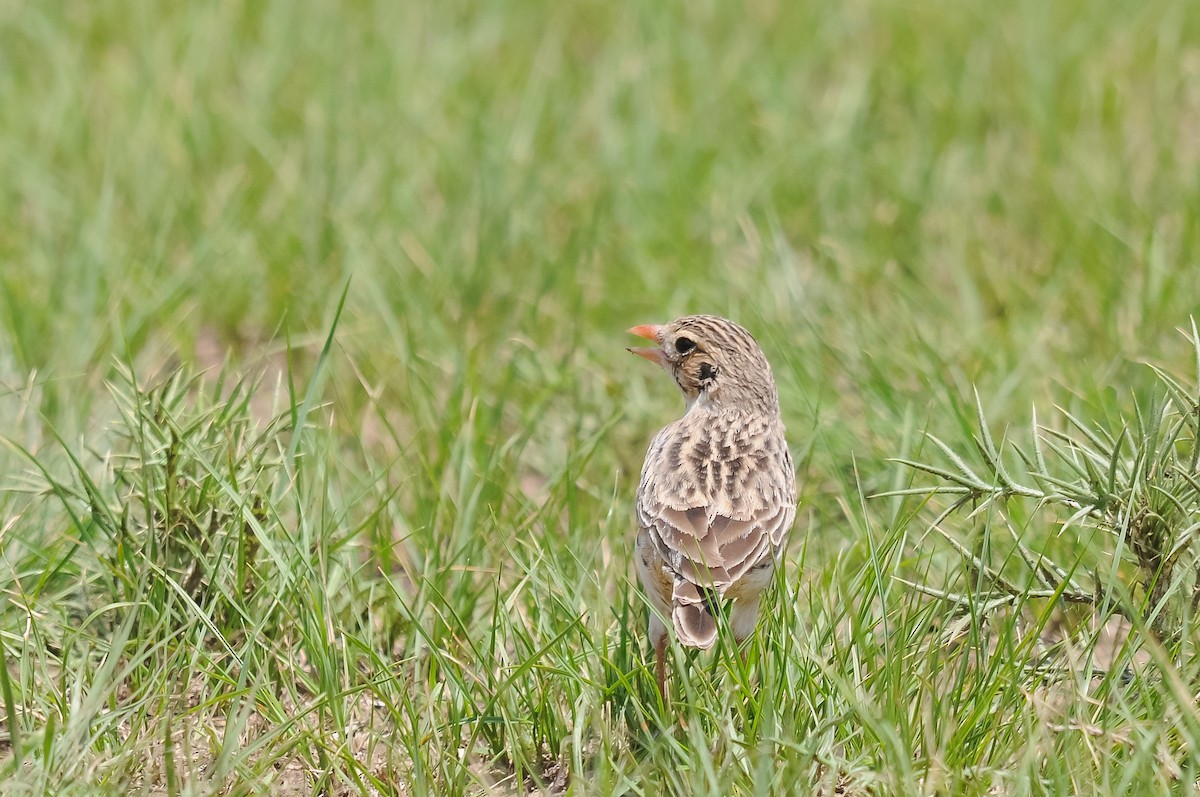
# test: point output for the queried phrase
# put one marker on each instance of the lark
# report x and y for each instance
(717, 494)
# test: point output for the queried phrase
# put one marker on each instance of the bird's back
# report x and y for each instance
(717, 497)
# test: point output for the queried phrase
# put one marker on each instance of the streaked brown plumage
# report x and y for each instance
(718, 492)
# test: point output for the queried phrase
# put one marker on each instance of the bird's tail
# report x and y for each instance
(693, 613)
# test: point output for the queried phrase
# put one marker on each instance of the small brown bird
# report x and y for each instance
(718, 492)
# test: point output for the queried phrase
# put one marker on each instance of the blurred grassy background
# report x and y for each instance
(900, 200)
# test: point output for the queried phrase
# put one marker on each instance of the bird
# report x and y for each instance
(717, 493)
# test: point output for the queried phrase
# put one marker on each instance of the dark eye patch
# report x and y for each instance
(708, 372)
(684, 345)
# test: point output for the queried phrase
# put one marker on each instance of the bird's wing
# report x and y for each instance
(717, 496)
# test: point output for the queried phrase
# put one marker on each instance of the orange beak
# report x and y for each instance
(649, 332)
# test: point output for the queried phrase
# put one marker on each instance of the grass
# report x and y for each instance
(320, 441)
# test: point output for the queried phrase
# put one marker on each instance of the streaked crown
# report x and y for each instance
(715, 361)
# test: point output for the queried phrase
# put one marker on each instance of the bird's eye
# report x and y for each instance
(684, 345)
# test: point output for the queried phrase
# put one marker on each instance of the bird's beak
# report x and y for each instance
(652, 332)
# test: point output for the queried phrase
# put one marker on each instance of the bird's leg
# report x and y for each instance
(660, 666)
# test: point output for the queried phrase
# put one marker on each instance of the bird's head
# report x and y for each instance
(712, 360)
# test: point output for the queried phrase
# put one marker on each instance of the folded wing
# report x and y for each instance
(714, 518)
